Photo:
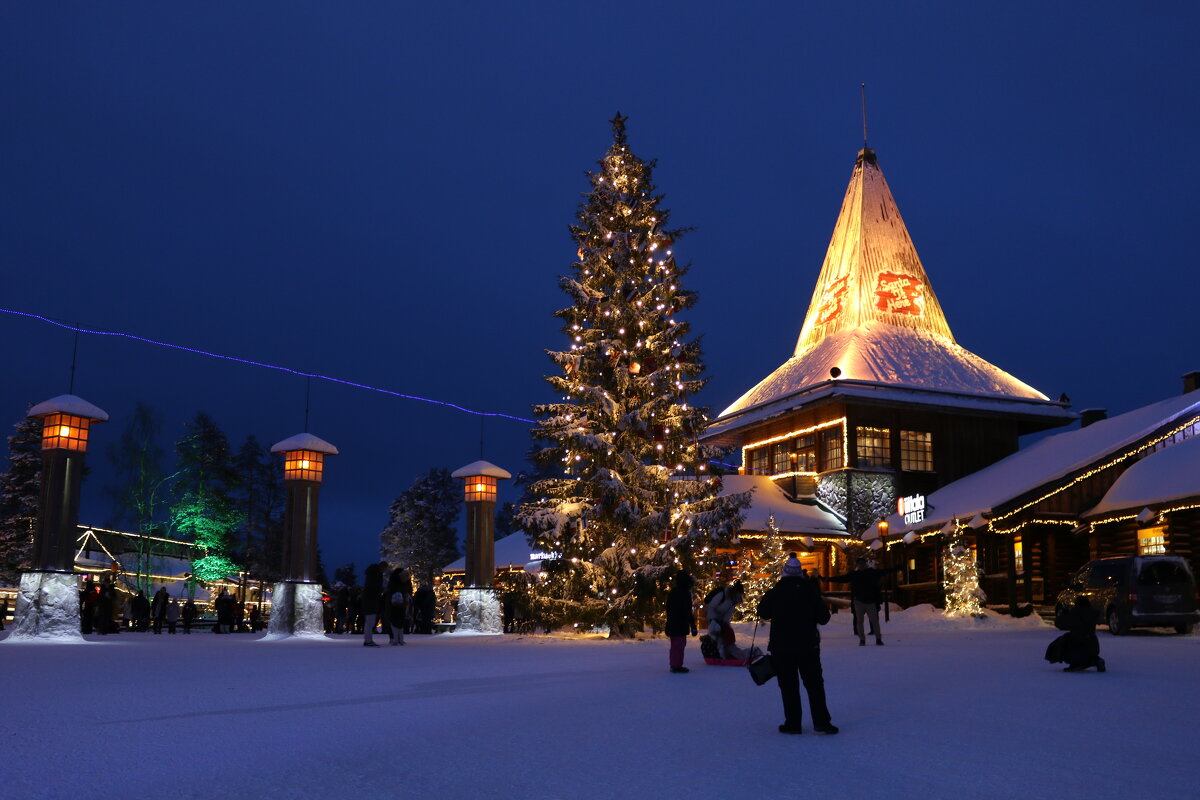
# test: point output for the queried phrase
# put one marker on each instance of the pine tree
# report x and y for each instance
(204, 510)
(20, 493)
(421, 533)
(259, 498)
(633, 497)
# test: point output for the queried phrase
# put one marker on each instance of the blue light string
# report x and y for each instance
(278, 368)
(252, 363)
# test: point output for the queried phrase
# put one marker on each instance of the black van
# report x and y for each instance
(1135, 592)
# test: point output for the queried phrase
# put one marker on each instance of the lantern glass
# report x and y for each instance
(303, 465)
(65, 432)
(479, 488)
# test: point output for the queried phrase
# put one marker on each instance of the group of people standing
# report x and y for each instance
(393, 606)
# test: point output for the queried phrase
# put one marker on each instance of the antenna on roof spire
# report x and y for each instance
(863, 87)
(307, 399)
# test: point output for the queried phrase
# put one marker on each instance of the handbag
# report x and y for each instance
(761, 668)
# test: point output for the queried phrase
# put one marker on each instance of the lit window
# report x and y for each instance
(1018, 554)
(874, 447)
(1152, 541)
(759, 461)
(806, 453)
(835, 449)
(916, 451)
(303, 465)
(64, 432)
(479, 488)
(781, 458)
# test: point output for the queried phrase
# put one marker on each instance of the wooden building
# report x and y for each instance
(878, 401)
(1129, 485)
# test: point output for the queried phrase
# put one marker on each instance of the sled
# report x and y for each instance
(726, 662)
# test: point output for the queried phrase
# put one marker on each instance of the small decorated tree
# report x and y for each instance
(759, 569)
(961, 577)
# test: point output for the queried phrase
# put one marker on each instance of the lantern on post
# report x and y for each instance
(48, 602)
(296, 603)
(478, 606)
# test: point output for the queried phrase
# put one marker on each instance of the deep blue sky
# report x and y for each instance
(381, 192)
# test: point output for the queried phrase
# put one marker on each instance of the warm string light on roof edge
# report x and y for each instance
(263, 364)
(1160, 514)
(1084, 476)
(792, 434)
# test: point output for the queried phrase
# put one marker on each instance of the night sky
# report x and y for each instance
(381, 193)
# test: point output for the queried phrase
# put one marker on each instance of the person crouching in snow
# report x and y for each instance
(721, 606)
(1079, 646)
(681, 617)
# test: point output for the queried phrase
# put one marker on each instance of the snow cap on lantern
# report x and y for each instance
(65, 422)
(304, 457)
(479, 480)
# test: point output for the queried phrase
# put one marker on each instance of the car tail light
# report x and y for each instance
(1132, 598)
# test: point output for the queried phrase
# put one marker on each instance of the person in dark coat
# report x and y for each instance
(372, 591)
(224, 605)
(681, 617)
(396, 599)
(1079, 647)
(189, 615)
(795, 607)
(865, 597)
(158, 608)
(424, 604)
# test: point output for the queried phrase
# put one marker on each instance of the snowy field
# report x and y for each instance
(944, 710)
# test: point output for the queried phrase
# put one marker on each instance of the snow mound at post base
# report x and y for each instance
(47, 609)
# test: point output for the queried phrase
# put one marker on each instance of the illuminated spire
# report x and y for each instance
(871, 272)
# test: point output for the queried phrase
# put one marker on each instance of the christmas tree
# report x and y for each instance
(961, 579)
(631, 497)
(761, 568)
(204, 510)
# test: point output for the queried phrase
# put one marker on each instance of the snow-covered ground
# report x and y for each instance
(944, 710)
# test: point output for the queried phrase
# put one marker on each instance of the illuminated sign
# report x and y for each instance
(897, 293)
(913, 508)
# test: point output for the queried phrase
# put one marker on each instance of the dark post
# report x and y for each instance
(296, 602)
(47, 604)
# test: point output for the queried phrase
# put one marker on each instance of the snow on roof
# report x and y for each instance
(1048, 460)
(304, 441)
(790, 516)
(1172, 473)
(880, 353)
(511, 551)
(480, 468)
(873, 314)
(69, 404)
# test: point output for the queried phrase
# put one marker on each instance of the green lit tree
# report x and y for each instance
(20, 493)
(631, 497)
(204, 510)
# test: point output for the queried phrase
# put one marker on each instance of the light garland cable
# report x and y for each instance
(250, 362)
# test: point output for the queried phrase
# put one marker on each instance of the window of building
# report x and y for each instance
(874, 447)
(916, 451)
(806, 453)
(835, 449)
(1018, 555)
(1152, 541)
(781, 458)
(758, 461)
(1180, 435)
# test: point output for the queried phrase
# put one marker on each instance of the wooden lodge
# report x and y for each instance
(877, 402)
(1129, 485)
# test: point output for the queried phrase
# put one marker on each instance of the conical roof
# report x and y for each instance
(874, 318)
